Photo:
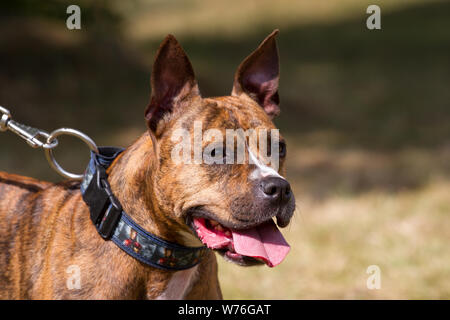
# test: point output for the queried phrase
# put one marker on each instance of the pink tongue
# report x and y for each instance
(213, 239)
(264, 241)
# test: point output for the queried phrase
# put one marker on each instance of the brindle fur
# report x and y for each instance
(45, 227)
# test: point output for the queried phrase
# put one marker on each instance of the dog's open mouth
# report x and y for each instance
(262, 243)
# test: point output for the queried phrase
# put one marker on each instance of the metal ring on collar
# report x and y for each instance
(51, 158)
(47, 145)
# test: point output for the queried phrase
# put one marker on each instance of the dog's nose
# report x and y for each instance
(276, 190)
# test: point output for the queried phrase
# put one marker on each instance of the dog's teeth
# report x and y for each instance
(213, 223)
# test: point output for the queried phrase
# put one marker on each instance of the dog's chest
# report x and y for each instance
(179, 284)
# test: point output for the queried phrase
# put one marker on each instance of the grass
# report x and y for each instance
(366, 114)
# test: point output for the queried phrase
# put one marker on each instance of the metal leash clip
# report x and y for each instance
(37, 138)
(31, 135)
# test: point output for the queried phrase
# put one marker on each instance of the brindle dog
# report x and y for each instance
(45, 227)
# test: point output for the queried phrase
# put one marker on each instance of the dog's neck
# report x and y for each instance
(135, 167)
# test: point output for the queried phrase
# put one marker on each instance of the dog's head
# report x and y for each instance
(221, 160)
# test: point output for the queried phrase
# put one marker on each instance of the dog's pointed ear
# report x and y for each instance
(173, 82)
(258, 76)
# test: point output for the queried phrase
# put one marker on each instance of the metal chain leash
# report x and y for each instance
(37, 138)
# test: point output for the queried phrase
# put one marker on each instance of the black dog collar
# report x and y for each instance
(112, 223)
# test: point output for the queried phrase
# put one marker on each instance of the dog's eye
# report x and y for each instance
(219, 151)
(282, 150)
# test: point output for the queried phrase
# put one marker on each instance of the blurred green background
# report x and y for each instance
(366, 115)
